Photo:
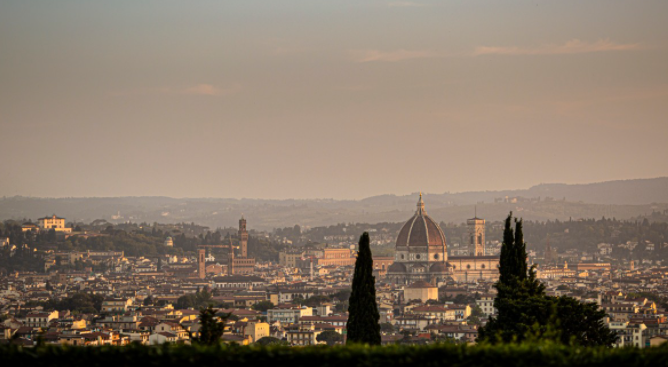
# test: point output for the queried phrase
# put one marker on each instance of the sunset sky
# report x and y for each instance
(328, 99)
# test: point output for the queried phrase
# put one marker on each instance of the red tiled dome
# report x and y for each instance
(421, 230)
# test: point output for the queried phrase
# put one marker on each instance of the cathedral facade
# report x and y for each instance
(421, 253)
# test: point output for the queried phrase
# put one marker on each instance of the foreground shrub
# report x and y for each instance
(519, 355)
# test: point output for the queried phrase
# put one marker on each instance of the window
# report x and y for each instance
(436, 256)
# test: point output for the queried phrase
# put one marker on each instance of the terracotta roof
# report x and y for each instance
(421, 284)
(421, 230)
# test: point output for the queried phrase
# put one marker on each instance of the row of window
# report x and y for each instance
(417, 256)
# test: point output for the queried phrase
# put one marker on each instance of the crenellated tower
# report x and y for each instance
(243, 237)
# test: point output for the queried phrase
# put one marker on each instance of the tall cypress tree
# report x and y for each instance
(524, 310)
(520, 251)
(363, 318)
(506, 260)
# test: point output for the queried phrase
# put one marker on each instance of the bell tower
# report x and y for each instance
(201, 263)
(476, 234)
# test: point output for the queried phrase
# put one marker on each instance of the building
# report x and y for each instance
(555, 272)
(421, 254)
(381, 264)
(289, 258)
(242, 264)
(288, 314)
(486, 304)
(336, 256)
(116, 305)
(593, 266)
(53, 222)
(29, 227)
(256, 330)
(422, 291)
(237, 282)
(304, 335)
(40, 320)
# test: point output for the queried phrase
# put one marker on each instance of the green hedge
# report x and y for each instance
(423, 356)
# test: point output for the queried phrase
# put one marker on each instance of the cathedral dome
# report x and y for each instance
(421, 230)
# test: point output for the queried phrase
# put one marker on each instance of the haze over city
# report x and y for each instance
(341, 99)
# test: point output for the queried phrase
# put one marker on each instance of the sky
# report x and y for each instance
(328, 99)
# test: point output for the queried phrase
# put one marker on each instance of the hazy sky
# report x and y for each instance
(328, 99)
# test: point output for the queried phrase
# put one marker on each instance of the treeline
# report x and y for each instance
(132, 243)
(131, 238)
(352, 229)
(78, 303)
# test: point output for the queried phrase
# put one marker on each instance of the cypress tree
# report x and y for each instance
(212, 327)
(525, 311)
(520, 251)
(363, 316)
(506, 263)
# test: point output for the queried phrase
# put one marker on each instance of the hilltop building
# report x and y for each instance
(53, 222)
(421, 253)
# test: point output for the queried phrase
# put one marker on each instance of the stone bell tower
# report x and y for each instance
(476, 234)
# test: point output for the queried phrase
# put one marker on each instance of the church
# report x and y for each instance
(421, 253)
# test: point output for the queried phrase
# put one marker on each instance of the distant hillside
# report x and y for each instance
(623, 192)
(620, 199)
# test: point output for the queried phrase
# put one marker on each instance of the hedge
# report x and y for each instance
(543, 355)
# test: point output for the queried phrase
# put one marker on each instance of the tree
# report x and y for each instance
(263, 306)
(186, 301)
(330, 337)
(148, 301)
(525, 311)
(315, 301)
(476, 316)
(195, 300)
(212, 326)
(363, 326)
(386, 327)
